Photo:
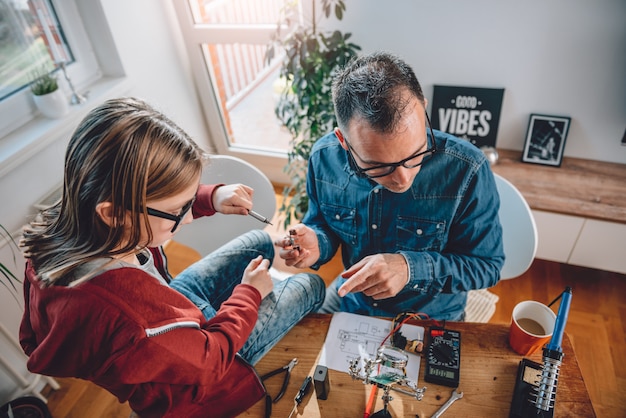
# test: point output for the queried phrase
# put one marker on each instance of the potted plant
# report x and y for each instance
(48, 97)
(7, 277)
(22, 406)
(305, 107)
(25, 406)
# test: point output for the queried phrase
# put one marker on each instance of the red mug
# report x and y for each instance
(532, 324)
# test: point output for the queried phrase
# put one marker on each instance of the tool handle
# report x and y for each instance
(561, 320)
(283, 388)
(304, 389)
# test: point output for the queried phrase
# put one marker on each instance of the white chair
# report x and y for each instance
(519, 237)
(519, 231)
(206, 234)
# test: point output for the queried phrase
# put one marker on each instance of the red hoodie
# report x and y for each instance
(144, 342)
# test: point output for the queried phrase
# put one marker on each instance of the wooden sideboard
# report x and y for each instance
(579, 208)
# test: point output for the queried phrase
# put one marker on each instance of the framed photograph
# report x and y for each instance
(545, 139)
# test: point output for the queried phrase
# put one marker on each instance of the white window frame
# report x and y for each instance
(18, 108)
(97, 70)
(270, 162)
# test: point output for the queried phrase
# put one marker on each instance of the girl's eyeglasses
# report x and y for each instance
(176, 218)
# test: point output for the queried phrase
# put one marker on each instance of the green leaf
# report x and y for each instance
(7, 277)
(338, 12)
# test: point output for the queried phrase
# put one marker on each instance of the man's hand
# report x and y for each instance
(299, 249)
(233, 199)
(380, 276)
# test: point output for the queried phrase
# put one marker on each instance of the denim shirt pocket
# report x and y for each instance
(342, 221)
(415, 234)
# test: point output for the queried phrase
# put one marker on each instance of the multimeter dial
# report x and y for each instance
(445, 353)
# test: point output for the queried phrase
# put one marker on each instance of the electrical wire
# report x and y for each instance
(403, 318)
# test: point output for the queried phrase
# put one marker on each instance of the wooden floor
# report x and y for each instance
(596, 326)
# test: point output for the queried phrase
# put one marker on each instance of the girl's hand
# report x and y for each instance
(257, 275)
(233, 199)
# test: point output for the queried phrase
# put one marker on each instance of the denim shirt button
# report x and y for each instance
(374, 226)
(376, 190)
(419, 232)
(375, 305)
(338, 217)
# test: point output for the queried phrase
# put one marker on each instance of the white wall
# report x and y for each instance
(558, 57)
(151, 50)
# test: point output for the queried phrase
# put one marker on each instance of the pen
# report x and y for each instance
(259, 217)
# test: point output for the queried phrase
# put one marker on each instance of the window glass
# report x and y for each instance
(226, 41)
(35, 35)
(236, 11)
(32, 43)
(247, 89)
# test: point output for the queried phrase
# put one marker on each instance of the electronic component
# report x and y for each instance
(443, 357)
(293, 239)
(412, 346)
(321, 382)
(398, 340)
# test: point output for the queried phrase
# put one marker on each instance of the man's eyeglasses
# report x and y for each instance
(176, 218)
(383, 170)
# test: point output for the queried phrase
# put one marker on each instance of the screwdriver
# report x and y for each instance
(259, 217)
(304, 389)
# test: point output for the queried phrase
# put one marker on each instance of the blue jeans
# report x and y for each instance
(335, 303)
(211, 281)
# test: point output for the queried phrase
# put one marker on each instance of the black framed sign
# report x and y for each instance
(545, 139)
(471, 113)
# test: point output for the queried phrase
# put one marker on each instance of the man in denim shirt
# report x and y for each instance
(414, 210)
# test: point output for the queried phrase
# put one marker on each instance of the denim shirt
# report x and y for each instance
(446, 225)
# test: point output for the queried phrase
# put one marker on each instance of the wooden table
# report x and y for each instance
(488, 370)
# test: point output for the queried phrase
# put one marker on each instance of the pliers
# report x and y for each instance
(287, 369)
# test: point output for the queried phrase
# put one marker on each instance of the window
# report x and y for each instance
(226, 41)
(35, 35)
(32, 42)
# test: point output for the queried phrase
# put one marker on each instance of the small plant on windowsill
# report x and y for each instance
(44, 84)
(305, 107)
(48, 97)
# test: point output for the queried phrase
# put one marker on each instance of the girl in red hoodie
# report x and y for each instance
(100, 304)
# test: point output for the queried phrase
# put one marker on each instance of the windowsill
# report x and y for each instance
(21, 144)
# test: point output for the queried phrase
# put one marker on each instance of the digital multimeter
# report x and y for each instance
(443, 357)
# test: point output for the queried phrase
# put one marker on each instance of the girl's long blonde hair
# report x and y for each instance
(124, 152)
